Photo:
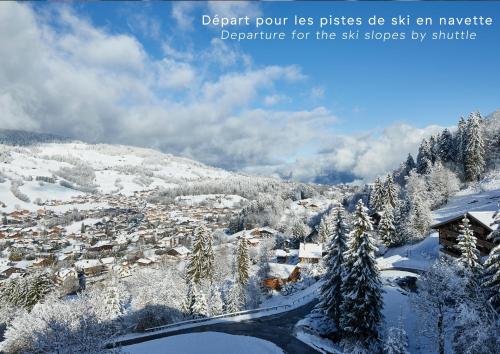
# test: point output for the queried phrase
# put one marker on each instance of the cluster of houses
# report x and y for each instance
(110, 232)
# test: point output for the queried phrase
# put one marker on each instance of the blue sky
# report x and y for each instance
(303, 108)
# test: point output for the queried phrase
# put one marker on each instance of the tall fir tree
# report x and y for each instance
(331, 294)
(377, 195)
(298, 230)
(492, 269)
(401, 211)
(434, 148)
(243, 261)
(445, 146)
(208, 255)
(410, 163)
(234, 299)
(474, 159)
(459, 144)
(469, 254)
(390, 192)
(200, 264)
(196, 303)
(424, 158)
(386, 227)
(324, 230)
(404, 170)
(362, 287)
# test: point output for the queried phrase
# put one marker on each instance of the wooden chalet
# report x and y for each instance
(280, 274)
(481, 224)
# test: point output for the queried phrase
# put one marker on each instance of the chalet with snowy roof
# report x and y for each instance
(310, 252)
(89, 266)
(179, 251)
(285, 255)
(279, 274)
(263, 232)
(6, 271)
(482, 225)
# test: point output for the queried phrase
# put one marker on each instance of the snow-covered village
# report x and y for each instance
(165, 191)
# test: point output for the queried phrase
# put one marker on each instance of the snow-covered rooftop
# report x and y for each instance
(87, 263)
(280, 270)
(487, 218)
(310, 250)
(182, 250)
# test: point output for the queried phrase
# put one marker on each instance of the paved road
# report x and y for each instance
(276, 328)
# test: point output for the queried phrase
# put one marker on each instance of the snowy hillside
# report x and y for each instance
(32, 174)
(483, 196)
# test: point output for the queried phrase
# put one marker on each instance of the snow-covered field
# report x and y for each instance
(205, 343)
(417, 256)
(115, 168)
(468, 200)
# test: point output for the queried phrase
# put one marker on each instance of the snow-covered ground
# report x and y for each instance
(396, 307)
(213, 200)
(417, 256)
(117, 168)
(205, 343)
(468, 200)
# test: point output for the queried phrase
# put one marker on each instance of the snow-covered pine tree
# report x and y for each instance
(234, 298)
(196, 265)
(196, 304)
(26, 292)
(404, 170)
(492, 269)
(410, 163)
(377, 195)
(424, 158)
(390, 192)
(216, 304)
(386, 227)
(199, 306)
(265, 254)
(400, 212)
(469, 255)
(459, 144)
(474, 160)
(208, 255)
(331, 294)
(243, 261)
(434, 148)
(201, 261)
(419, 217)
(113, 297)
(362, 287)
(298, 230)
(445, 146)
(324, 231)
(396, 341)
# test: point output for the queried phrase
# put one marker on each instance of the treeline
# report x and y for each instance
(444, 163)
(249, 187)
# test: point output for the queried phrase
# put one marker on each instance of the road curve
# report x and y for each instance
(277, 329)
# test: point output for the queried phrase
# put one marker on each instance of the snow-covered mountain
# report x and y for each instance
(38, 167)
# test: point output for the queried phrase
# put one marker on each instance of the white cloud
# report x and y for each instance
(182, 14)
(234, 8)
(364, 156)
(175, 75)
(81, 81)
(272, 100)
(134, 99)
